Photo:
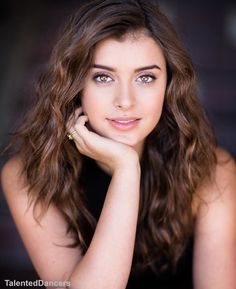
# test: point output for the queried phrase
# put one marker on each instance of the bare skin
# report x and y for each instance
(107, 262)
(215, 236)
(112, 246)
(214, 263)
(119, 214)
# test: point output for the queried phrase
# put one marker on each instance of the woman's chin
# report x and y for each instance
(135, 144)
(125, 140)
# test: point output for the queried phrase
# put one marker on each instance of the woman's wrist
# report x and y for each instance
(129, 165)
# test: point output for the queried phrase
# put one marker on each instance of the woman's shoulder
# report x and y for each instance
(215, 231)
(12, 178)
(223, 178)
(220, 188)
(45, 238)
(224, 159)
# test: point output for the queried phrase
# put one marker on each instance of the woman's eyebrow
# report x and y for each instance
(103, 67)
(154, 66)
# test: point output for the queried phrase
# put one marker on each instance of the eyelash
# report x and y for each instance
(150, 76)
(100, 75)
(98, 78)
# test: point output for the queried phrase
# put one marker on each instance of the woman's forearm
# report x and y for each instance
(108, 260)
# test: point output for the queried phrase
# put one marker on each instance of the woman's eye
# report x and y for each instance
(102, 78)
(146, 78)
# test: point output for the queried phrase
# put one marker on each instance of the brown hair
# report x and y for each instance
(178, 154)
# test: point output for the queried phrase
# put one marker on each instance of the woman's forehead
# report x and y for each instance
(139, 49)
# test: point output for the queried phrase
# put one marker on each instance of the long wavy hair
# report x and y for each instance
(178, 155)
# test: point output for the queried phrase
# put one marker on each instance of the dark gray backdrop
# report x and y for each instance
(28, 30)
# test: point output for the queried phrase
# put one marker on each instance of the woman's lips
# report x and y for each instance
(124, 123)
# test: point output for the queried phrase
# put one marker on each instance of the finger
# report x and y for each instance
(73, 135)
(80, 127)
(80, 142)
(82, 120)
(78, 112)
(74, 130)
(73, 117)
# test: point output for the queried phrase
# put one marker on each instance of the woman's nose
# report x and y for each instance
(124, 98)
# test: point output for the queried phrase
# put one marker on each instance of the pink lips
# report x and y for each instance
(123, 123)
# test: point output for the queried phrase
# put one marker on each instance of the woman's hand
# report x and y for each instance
(109, 152)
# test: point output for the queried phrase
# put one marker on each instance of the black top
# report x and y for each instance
(95, 183)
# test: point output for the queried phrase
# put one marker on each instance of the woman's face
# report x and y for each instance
(124, 90)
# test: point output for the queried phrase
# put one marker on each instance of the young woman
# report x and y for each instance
(117, 182)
